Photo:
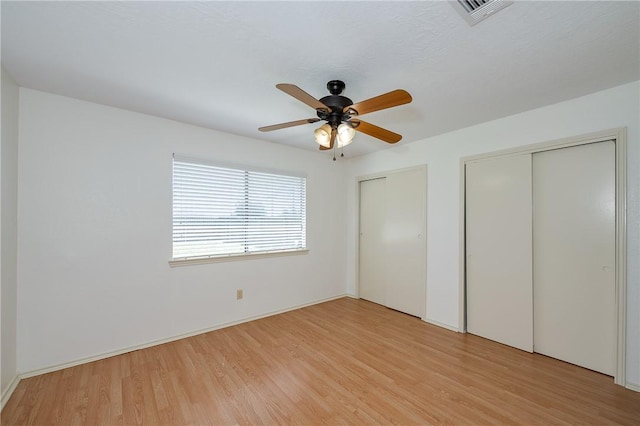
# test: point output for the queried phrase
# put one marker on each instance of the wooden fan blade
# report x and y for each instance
(377, 132)
(388, 100)
(288, 124)
(331, 142)
(302, 96)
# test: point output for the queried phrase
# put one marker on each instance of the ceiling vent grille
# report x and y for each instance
(474, 11)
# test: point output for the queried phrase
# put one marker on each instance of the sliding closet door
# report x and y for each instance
(406, 243)
(574, 255)
(499, 250)
(372, 271)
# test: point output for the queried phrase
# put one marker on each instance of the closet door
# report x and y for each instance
(372, 273)
(393, 255)
(405, 242)
(574, 255)
(499, 250)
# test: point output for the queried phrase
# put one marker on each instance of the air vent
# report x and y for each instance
(474, 11)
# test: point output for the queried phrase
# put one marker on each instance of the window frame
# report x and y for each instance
(183, 261)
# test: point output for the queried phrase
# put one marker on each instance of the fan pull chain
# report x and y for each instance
(334, 150)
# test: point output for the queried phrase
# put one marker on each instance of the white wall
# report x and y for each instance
(616, 107)
(95, 233)
(8, 230)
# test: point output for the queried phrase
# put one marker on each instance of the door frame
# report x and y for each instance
(381, 175)
(619, 137)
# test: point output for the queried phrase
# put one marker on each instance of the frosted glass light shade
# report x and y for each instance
(323, 135)
(345, 135)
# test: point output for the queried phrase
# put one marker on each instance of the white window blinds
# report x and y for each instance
(220, 211)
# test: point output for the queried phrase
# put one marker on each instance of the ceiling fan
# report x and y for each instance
(340, 114)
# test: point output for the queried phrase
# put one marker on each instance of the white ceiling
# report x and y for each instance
(215, 64)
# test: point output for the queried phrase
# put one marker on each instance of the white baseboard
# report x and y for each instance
(9, 391)
(440, 324)
(168, 339)
(430, 321)
(633, 386)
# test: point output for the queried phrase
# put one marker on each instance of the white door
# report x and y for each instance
(574, 255)
(372, 275)
(499, 250)
(393, 255)
(405, 241)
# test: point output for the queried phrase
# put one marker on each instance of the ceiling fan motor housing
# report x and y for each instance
(336, 103)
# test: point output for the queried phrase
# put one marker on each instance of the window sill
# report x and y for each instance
(234, 257)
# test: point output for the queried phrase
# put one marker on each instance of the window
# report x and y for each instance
(220, 211)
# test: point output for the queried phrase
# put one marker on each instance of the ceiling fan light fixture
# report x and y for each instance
(345, 135)
(323, 135)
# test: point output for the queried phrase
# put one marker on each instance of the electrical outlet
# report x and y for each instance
(239, 294)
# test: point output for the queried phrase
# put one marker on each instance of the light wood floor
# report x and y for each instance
(341, 362)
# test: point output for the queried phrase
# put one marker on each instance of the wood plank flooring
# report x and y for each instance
(342, 362)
